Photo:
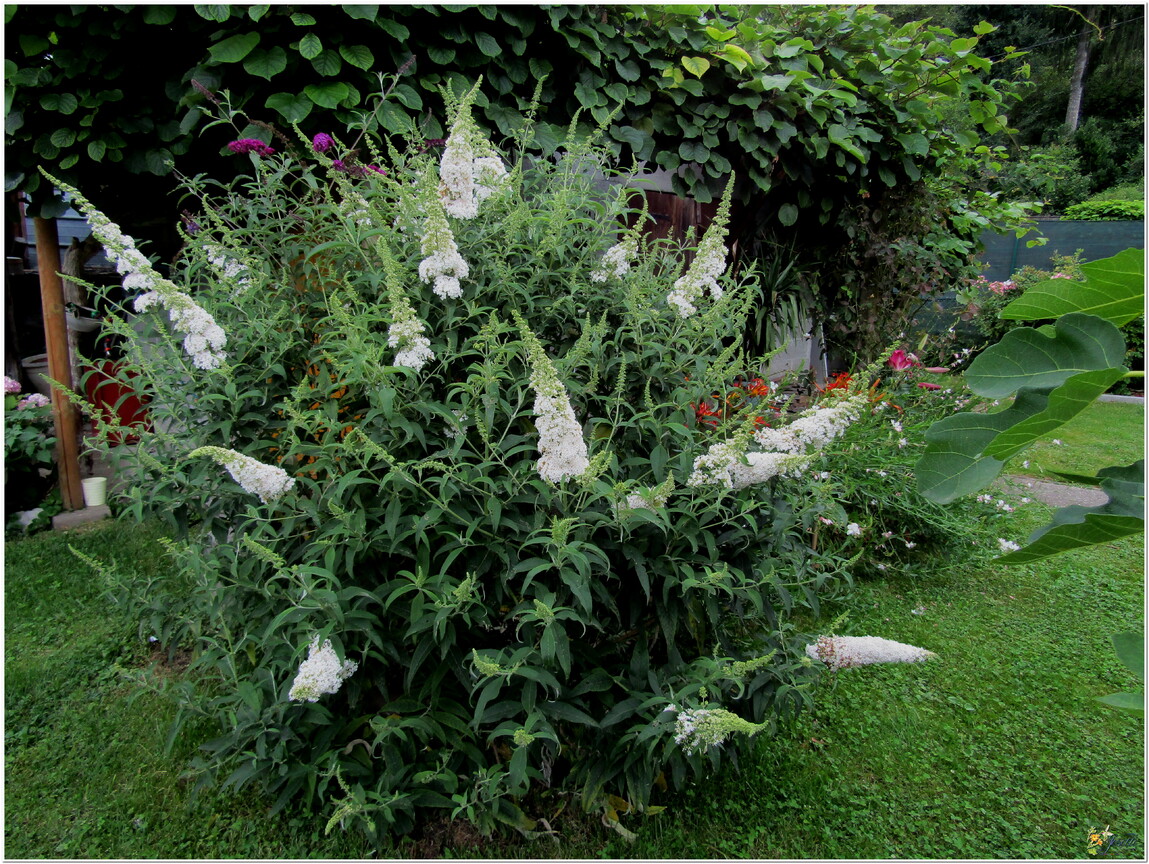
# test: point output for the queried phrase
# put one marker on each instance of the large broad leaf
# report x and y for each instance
(1134, 702)
(1074, 527)
(1027, 357)
(1056, 372)
(1114, 289)
(1068, 400)
(954, 463)
(1130, 648)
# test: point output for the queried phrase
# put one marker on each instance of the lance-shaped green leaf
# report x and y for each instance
(1026, 357)
(1076, 526)
(954, 463)
(1114, 289)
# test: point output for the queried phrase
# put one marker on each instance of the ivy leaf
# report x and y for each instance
(915, 143)
(96, 150)
(302, 19)
(393, 118)
(357, 55)
(1075, 527)
(291, 107)
(788, 214)
(65, 103)
(31, 44)
(327, 95)
(735, 56)
(775, 82)
(1114, 289)
(327, 64)
(233, 49)
(257, 12)
(696, 66)
(640, 142)
(310, 46)
(266, 64)
(157, 161)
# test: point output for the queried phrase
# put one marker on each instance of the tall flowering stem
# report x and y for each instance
(847, 652)
(203, 338)
(699, 729)
(267, 481)
(406, 333)
(470, 169)
(443, 266)
(709, 263)
(564, 452)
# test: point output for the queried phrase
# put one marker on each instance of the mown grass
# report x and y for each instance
(997, 749)
(1104, 434)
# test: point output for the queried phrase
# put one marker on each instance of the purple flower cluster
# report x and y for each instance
(250, 145)
(322, 142)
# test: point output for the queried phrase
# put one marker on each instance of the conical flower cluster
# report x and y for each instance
(269, 482)
(564, 452)
(443, 266)
(723, 465)
(702, 728)
(709, 263)
(406, 333)
(616, 262)
(846, 652)
(469, 170)
(204, 339)
(320, 674)
(815, 428)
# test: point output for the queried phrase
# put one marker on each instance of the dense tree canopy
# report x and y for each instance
(838, 122)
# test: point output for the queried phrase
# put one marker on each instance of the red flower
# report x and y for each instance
(705, 414)
(756, 387)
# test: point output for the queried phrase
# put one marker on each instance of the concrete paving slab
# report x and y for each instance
(74, 518)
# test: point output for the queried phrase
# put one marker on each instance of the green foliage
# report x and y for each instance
(1103, 211)
(514, 624)
(1055, 372)
(1121, 192)
(1052, 175)
(29, 447)
(857, 135)
(1130, 650)
(988, 299)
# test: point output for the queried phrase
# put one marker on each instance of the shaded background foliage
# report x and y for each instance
(833, 120)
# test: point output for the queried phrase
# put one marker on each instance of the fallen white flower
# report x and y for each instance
(846, 652)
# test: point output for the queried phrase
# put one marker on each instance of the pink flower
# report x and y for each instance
(937, 370)
(926, 385)
(901, 361)
(36, 400)
(1061, 276)
(250, 145)
(322, 142)
(11, 385)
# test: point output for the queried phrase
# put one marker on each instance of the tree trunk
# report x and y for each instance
(1077, 82)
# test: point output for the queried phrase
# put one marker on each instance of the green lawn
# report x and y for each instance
(997, 749)
(1104, 434)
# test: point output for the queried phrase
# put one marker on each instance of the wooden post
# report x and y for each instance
(59, 362)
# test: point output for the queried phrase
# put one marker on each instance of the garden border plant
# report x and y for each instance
(418, 614)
